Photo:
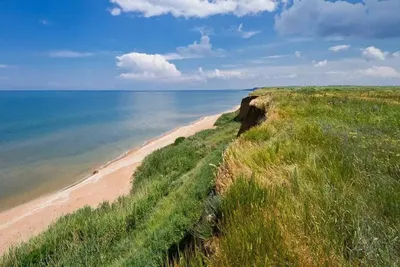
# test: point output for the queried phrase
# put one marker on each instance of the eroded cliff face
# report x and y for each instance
(244, 108)
(250, 115)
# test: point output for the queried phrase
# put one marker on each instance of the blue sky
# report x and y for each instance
(197, 44)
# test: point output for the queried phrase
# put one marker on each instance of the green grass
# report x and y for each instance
(168, 198)
(318, 184)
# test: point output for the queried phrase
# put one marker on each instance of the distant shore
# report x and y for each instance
(105, 184)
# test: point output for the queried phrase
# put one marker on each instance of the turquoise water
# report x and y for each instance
(51, 139)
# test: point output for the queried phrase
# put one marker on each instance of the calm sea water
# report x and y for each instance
(51, 139)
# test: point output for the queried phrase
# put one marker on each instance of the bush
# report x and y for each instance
(179, 140)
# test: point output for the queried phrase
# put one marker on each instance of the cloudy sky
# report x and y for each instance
(197, 44)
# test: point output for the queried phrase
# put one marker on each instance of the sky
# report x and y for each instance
(197, 44)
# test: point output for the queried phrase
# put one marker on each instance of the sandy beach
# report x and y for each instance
(113, 180)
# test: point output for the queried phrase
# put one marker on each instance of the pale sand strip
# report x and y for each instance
(113, 180)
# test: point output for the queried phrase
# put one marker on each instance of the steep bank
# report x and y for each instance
(252, 113)
(316, 184)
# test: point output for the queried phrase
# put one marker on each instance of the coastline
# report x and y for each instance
(107, 183)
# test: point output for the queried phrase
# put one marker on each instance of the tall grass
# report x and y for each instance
(167, 200)
(318, 184)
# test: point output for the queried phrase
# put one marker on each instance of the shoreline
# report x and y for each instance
(106, 183)
(122, 156)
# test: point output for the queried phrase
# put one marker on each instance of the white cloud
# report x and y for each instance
(156, 68)
(174, 56)
(367, 18)
(338, 48)
(396, 54)
(381, 72)
(320, 63)
(225, 74)
(336, 73)
(204, 30)
(275, 56)
(204, 47)
(373, 53)
(297, 54)
(230, 66)
(44, 22)
(285, 76)
(246, 34)
(195, 8)
(115, 11)
(143, 66)
(69, 54)
(196, 50)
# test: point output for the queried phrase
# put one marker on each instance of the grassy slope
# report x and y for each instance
(317, 184)
(167, 199)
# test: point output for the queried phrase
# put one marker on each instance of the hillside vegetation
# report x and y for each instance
(316, 184)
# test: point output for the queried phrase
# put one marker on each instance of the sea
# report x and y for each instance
(50, 140)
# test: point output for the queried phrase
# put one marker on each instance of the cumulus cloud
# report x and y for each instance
(373, 53)
(246, 34)
(156, 68)
(338, 48)
(196, 50)
(69, 54)
(369, 18)
(297, 54)
(320, 63)
(194, 8)
(204, 47)
(141, 66)
(396, 54)
(381, 72)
